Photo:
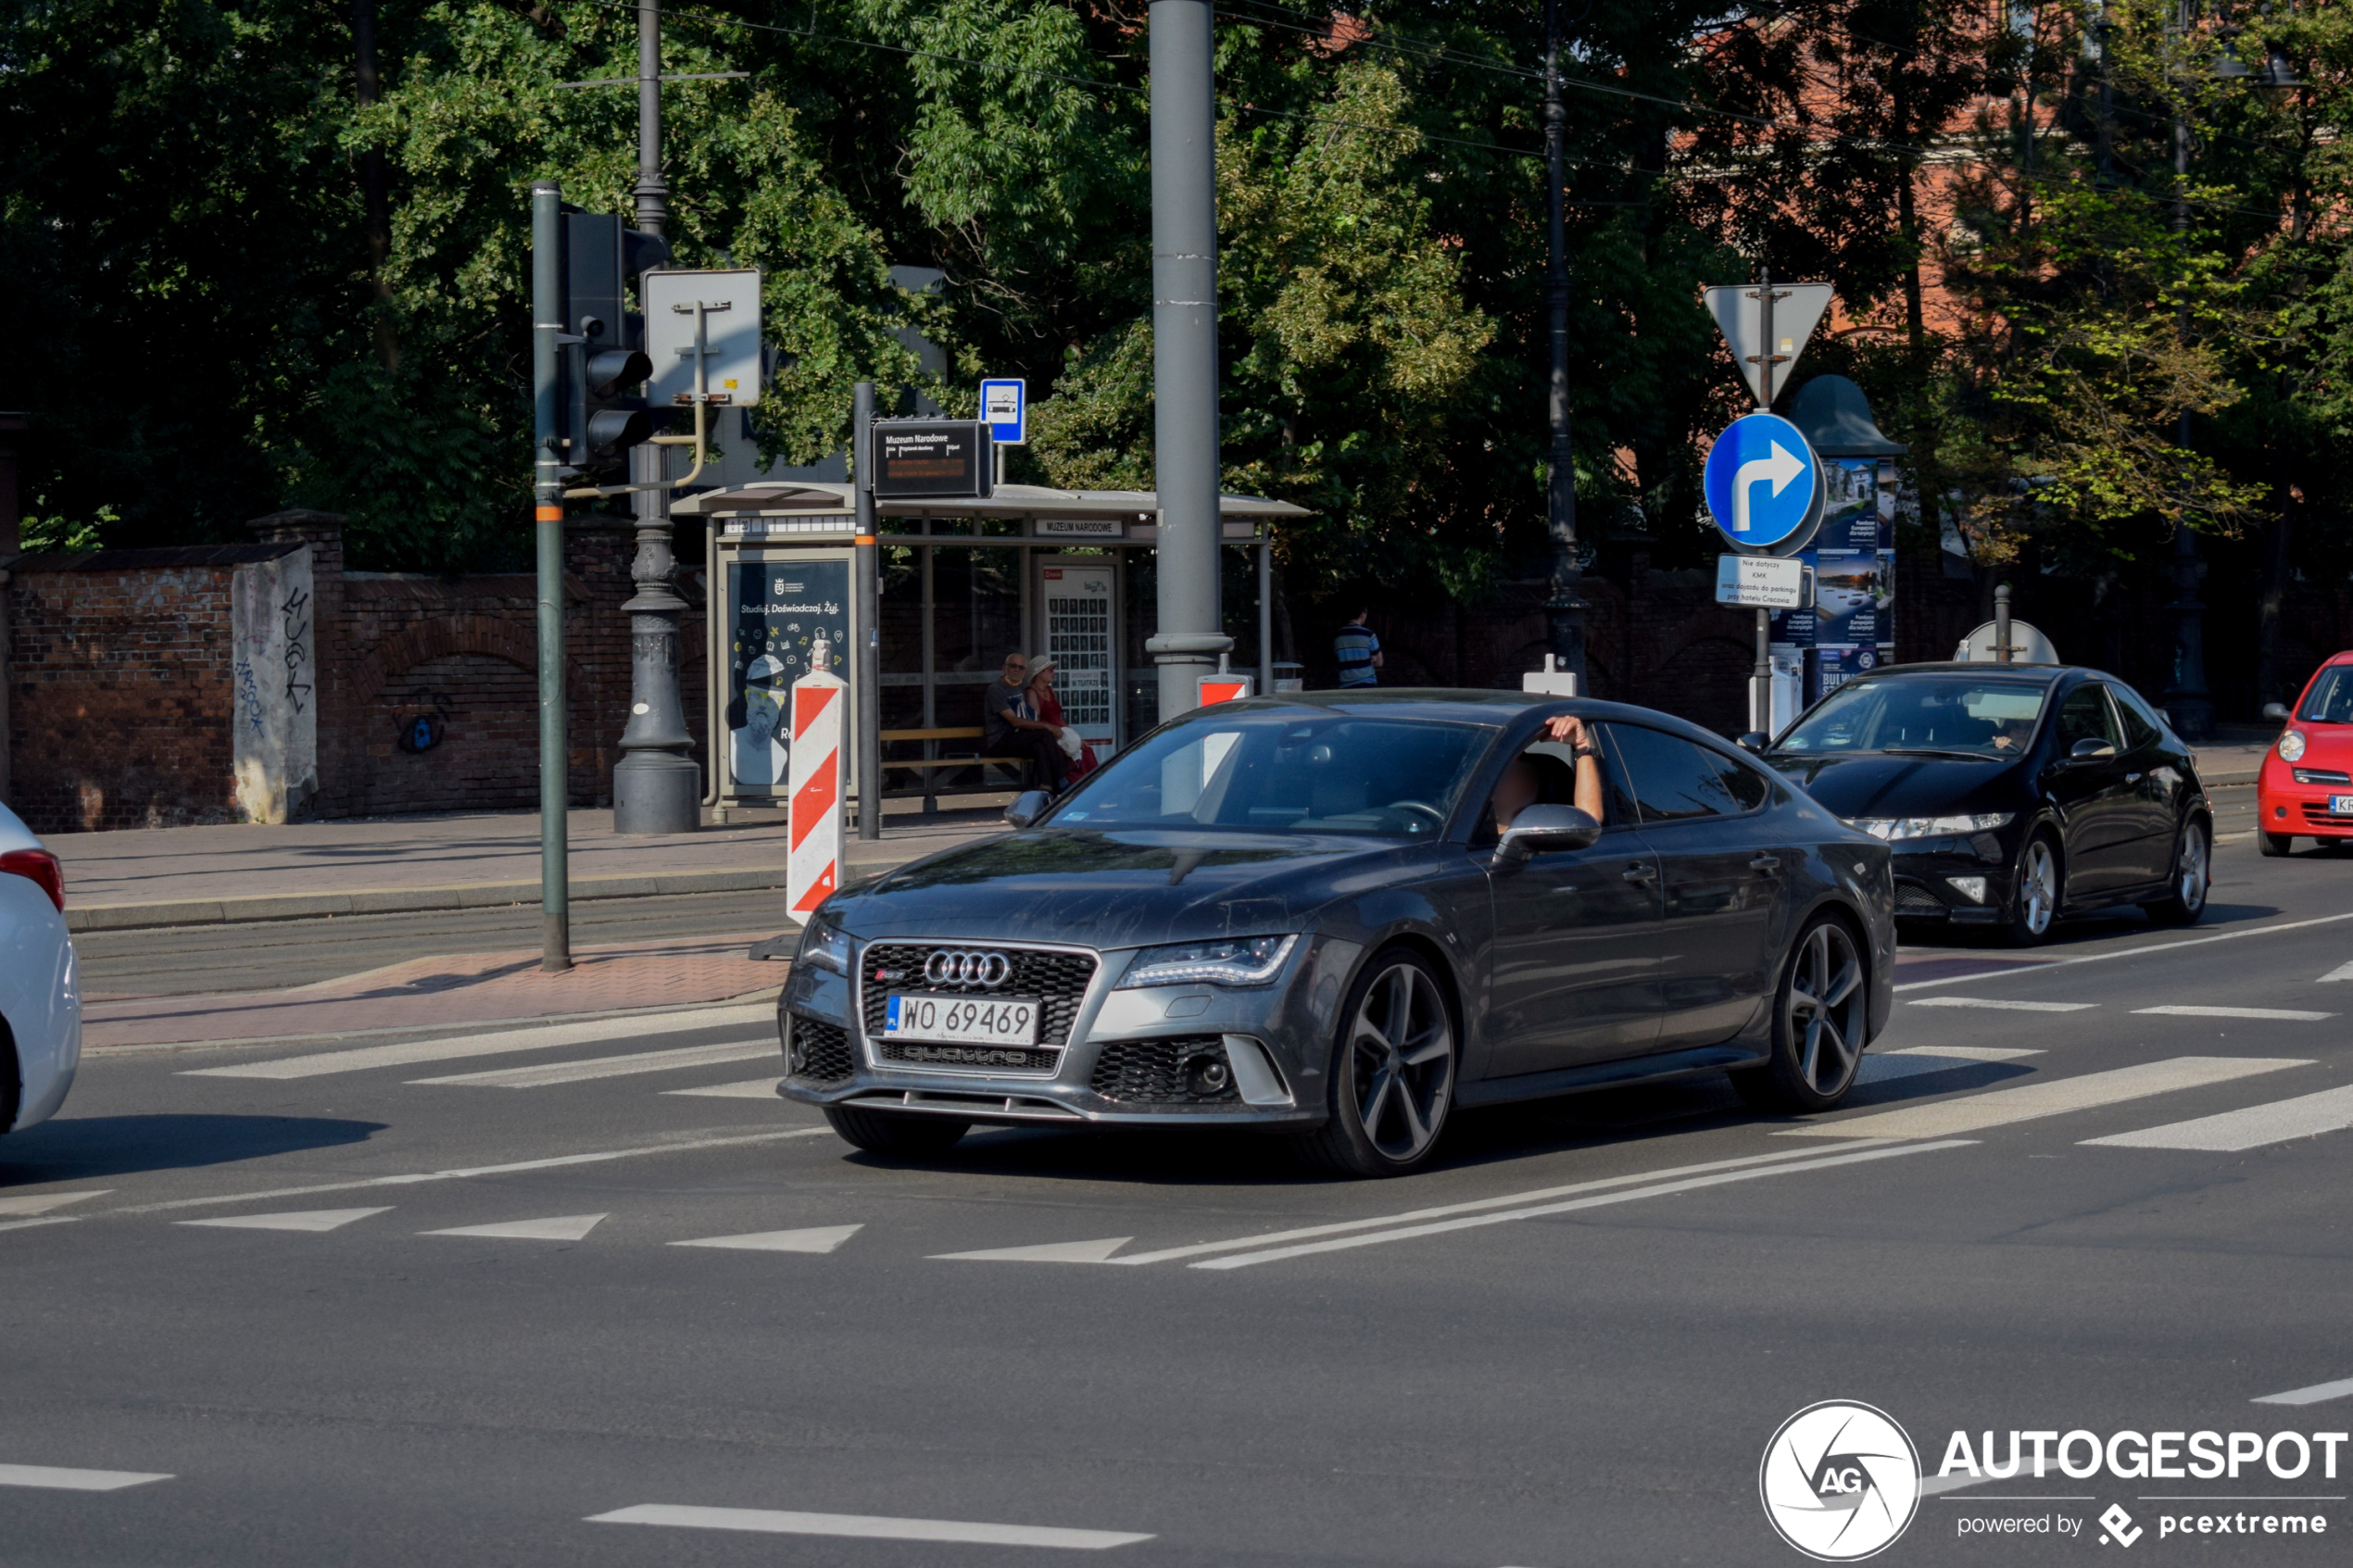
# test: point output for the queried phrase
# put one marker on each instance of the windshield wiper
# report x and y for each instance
(1934, 751)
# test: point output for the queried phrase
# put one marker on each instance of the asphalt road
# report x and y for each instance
(1579, 1360)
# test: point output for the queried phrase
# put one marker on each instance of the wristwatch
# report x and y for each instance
(1588, 750)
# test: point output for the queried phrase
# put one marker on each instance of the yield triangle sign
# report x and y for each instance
(1740, 315)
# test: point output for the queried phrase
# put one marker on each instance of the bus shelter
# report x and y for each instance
(965, 583)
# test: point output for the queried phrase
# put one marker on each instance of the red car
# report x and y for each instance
(2307, 785)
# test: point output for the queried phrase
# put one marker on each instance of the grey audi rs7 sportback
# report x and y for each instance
(1340, 915)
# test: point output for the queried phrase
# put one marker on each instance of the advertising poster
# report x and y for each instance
(780, 608)
(1850, 627)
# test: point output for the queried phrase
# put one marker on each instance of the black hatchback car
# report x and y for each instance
(2011, 794)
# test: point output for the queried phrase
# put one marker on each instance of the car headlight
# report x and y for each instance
(827, 947)
(2291, 745)
(1228, 960)
(1893, 828)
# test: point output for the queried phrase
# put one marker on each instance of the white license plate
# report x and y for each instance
(2341, 805)
(962, 1021)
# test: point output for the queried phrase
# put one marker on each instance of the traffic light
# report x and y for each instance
(604, 357)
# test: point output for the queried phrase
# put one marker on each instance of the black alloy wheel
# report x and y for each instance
(1392, 1075)
(2192, 874)
(1821, 1020)
(892, 1133)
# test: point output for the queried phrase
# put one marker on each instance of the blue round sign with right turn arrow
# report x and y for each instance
(1763, 484)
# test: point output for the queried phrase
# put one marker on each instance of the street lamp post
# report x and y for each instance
(1565, 609)
(2187, 702)
(656, 787)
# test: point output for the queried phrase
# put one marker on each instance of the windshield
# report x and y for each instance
(1282, 772)
(2331, 700)
(1963, 714)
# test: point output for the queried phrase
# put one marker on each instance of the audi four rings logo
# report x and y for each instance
(951, 967)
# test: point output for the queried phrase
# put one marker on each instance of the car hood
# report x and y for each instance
(2325, 746)
(1118, 889)
(1875, 784)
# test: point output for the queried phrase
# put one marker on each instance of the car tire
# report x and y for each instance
(1392, 1081)
(2273, 845)
(2039, 886)
(1822, 1021)
(883, 1132)
(2192, 874)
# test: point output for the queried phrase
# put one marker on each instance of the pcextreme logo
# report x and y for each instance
(1839, 1481)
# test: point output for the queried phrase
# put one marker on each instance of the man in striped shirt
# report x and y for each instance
(1358, 652)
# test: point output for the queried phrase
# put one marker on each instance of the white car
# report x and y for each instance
(40, 994)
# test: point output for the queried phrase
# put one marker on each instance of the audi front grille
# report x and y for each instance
(1057, 978)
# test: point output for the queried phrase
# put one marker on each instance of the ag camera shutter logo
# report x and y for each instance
(1839, 1481)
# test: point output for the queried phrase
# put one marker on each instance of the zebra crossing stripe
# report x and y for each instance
(2306, 1116)
(2056, 1097)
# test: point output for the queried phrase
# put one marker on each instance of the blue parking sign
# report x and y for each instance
(1763, 484)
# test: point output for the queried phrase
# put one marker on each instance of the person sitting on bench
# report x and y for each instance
(1010, 727)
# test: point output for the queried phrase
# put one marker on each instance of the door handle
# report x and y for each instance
(1638, 873)
(1767, 864)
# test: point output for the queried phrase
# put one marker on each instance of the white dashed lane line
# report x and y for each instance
(561, 1227)
(498, 1041)
(541, 1075)
(2028, 1102)
(306, 1219)
(53, 1478)
(2319, 1392)
(2001, 1006)
(777, 1522)
(2283, 1015)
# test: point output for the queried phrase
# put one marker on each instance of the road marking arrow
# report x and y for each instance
(1780, 467)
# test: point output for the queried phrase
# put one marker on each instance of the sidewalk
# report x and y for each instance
(386, 865)
(448, 992)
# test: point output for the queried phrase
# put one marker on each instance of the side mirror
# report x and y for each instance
(1028, 807)
(2276, 711)
(1755, 740)
(2090, 750)
(1538, 828)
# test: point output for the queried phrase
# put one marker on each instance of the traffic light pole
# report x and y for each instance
(868, 666)
(547, 485)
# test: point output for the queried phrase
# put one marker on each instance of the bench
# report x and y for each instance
(931, 762)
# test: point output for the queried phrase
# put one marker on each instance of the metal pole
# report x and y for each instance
(653, 195)
(1564, 609)
(2186, 700)
(2003, 653)
(1266, 616)
(869, 668)
(555, 793)
(656, 787)
(1760, 676)
(1190, 634)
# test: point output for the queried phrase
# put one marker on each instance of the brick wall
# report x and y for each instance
(118, 669)
(118, 673)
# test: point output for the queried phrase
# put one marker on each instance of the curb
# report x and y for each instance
(457, 896)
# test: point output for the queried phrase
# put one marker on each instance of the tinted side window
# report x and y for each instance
(2140, 725)
(2084, 716)
(1676, 781)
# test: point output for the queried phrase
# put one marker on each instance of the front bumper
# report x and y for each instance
(1935, 878)
(1130, 1057)
(2285, 805)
